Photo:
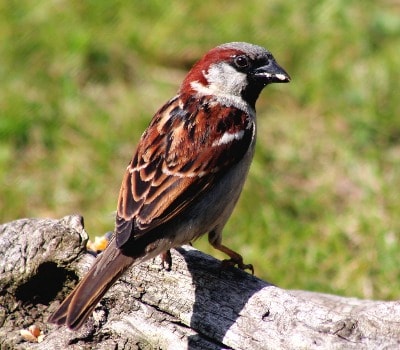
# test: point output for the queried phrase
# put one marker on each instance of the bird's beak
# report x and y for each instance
(272, 73)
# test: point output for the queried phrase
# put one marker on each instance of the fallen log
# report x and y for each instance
(195, 305)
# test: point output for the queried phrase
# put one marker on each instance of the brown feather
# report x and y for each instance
(78, 306)
(162, 181)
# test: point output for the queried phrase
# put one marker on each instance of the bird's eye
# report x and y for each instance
(241, 61)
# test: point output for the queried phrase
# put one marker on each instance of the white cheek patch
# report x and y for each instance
(224, 84)
(224, 79)
(228, 137)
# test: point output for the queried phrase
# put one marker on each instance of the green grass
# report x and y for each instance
(81, 80)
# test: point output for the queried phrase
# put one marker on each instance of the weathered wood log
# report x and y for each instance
(196, 305)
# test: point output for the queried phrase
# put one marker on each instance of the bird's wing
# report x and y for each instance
(180, 156)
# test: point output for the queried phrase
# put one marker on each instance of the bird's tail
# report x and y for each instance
(78, 306)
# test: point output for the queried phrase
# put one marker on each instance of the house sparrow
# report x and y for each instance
(188, 170)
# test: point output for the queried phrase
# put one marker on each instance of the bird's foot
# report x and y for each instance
(237, 262)
(166, 260)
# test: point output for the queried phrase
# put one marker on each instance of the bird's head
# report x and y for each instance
(234, 71)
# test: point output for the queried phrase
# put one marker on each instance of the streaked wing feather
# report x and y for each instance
(181, 154)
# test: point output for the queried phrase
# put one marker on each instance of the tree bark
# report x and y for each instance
(196, 305)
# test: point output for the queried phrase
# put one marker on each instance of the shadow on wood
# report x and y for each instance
(220, 295)
(196, 305)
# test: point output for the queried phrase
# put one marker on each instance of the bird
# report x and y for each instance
(187, 173)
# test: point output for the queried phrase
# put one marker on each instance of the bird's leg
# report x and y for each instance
(235, 258)
(166, 260)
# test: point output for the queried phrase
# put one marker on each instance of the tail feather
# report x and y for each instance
(78, 306)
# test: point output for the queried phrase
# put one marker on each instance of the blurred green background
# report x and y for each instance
(79, 82)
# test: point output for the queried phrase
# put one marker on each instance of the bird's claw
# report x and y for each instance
(232, 263)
